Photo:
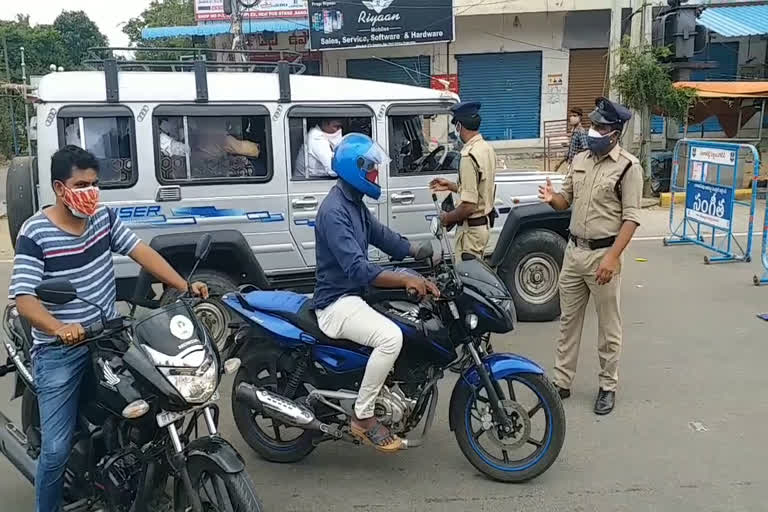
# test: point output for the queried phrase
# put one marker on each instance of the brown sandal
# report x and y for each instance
(379, 437)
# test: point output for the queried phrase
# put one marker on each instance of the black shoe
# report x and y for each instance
(605, 402)
(562, 392)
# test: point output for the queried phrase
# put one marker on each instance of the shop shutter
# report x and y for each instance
(587, 79)
(402, 70)
(509, 87)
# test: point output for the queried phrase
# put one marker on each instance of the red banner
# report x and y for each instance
(445, 82)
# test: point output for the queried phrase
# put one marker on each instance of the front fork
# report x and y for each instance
(495, 393)
(179, 460)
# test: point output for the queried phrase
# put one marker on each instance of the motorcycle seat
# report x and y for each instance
(298, 310)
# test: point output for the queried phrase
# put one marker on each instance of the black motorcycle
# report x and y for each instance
(153, 382)
(297, 387)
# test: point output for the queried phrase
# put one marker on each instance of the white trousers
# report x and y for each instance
(351, 318)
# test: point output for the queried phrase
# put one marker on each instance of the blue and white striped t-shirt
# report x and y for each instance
(44, 251)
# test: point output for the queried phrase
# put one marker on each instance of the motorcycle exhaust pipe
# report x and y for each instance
(282, 409)
(13, 444)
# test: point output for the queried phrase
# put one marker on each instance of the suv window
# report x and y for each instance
(212, 149)
(414, 137)
(112, 142)
(313, 140)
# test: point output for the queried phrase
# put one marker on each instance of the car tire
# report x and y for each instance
(531, 271)
(212, 312)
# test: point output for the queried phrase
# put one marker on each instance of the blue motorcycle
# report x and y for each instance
(296, 387)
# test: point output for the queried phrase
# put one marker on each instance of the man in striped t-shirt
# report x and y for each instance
(73, 239)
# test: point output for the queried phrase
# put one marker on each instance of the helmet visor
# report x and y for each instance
(375, 156)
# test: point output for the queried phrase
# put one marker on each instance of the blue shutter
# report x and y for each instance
(657, 125)
(404, 70)
(509, 87)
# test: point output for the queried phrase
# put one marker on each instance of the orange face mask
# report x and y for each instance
(82, 202)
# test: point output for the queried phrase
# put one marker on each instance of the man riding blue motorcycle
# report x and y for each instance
(343, 230)
(361, 361)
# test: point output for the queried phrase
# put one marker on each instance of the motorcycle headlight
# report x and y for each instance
(195, 385)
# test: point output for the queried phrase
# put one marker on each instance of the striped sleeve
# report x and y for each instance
(28, 268)
(124, 241)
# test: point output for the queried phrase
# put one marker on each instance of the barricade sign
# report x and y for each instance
(711, 178)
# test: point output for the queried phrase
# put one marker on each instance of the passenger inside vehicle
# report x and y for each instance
(223, 147)
(313, 140)
(314, 157)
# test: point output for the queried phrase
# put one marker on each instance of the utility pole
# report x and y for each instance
(645, 36)
(237, 25)
(26, 105)
(614, 58)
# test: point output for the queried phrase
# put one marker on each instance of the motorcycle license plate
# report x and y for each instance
(165, 418)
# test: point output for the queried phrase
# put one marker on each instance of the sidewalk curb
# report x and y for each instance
(666, 197)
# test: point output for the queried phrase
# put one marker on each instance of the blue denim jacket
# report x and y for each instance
(343, 230)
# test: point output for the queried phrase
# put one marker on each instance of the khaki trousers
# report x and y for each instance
(577, 283)
(471, 239)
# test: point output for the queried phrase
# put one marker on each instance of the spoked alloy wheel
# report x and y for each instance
(524, 448)
(270, 438)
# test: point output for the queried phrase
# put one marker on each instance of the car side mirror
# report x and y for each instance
(56, 291)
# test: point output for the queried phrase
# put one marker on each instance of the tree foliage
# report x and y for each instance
(78, 33)
(645, 82)
(161, 13)
(61, 44)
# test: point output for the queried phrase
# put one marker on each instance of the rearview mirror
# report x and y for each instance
(56, 291)
(203, 247)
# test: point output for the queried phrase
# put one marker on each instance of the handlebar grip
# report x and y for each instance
(434, 197)
(93, 330)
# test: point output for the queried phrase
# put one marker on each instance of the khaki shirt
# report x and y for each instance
(480, 191)
(596, 211)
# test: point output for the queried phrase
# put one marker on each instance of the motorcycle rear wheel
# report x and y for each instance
(265, 371)
(470, 408)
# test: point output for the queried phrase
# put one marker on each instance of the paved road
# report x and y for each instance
(694, 359)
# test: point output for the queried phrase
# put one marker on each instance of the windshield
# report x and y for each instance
(416, 136)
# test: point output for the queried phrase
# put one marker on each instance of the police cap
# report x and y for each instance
(609, 113)
(466, 113)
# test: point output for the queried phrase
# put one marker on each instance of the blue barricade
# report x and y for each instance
(711, 174)
(764, 249)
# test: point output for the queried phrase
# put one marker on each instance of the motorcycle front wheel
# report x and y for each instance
(218, 491)
(535, 437)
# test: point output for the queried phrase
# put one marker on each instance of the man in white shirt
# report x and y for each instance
(317, 151)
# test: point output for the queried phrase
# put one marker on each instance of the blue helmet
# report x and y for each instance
(356, 159)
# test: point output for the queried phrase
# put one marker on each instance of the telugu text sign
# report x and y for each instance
(713, 155)
(337, 24)
(709, 204)
(213, 10)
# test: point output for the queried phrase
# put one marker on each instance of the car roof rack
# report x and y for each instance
(197, 60)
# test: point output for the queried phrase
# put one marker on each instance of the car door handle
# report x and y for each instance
(306, 202)
(403, 197)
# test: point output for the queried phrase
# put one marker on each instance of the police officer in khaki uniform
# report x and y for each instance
(476, 188)
(603, 189)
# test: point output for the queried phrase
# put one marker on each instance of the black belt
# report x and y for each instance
(600, 243)
(477, 221)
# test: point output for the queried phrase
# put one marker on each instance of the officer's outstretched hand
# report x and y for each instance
(546, 192)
